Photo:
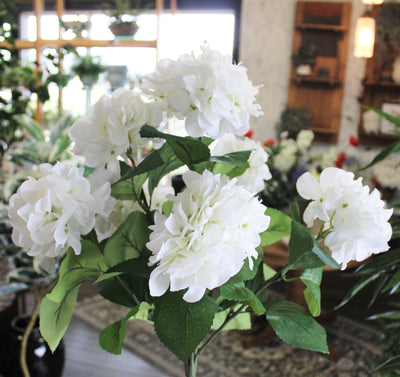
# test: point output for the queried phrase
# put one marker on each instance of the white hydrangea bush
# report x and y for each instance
(355, 221)
(213, 95)
(213, 228)
(51, 213)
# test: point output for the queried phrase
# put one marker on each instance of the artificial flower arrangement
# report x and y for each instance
(190, 262)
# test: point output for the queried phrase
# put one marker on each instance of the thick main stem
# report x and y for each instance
(191, 366)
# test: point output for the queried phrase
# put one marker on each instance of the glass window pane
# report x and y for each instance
(185, 32)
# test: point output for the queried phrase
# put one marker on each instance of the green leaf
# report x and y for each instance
(393, 283)
(392, 148)
(112, 337)
(391, 363)
(391, 118)
(30, 125)
(313, 302)
(107, 276)
(246, 273)
(237, 159)
(190, 151)
(136, 267)
(312, 279)
(130, 189)
(119, 290)
(58, 305)
(242, 321)
(268, 272)
(62, 143)
(181, 325)
(238, 292)
(55, 317)
(129, 240)
(279, 227)
(394, 314)
(170, 163)
(357, 288)
(167, 207)
(123, 190)
(379, 262)
(229, 170)
(295, 212)
(76, 269)
(295, 326)
(305, 252)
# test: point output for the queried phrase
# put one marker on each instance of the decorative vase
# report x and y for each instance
(124, 29)
(396, 70)
(40, 360)
(117, 76)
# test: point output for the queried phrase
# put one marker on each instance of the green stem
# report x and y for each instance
(39, 294)
(230, 316)
(191, 365)
(267, 283)
(130, 293)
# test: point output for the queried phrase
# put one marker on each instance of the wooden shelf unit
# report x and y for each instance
(326, 25)
(39, 44)
(378, 88)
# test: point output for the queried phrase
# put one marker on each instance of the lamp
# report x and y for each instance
(364, 37)
(372, 2)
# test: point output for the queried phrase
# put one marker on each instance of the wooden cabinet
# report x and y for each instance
(379, 91)
(324, 26)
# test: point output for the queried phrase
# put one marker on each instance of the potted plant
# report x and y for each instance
(293, 120)
(388, 40)
(304, 59)
(123, 17)
(88, 68)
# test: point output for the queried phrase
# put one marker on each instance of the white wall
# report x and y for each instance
(265, 49)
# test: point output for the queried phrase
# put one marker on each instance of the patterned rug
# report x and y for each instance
(360, 350)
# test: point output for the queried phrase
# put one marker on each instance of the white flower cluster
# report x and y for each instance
(388, 172)
(213, 95)
(213, 228)
(51, 213)
(355, 219)
(304, 139)
(112, 127)
(290, 149)
(253, 178)
(287, 156)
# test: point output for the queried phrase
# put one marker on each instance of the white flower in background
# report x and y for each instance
(159, 195)
(388, 172)
(212, 94)
(328, 159)
(253, 178)
(213, 228)
(113, 216)
(112, 127)
(51, 213)
(355, 220)
(287, 156)
(304, 139)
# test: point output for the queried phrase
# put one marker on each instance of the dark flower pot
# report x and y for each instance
(124, 29)
(41, 361)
